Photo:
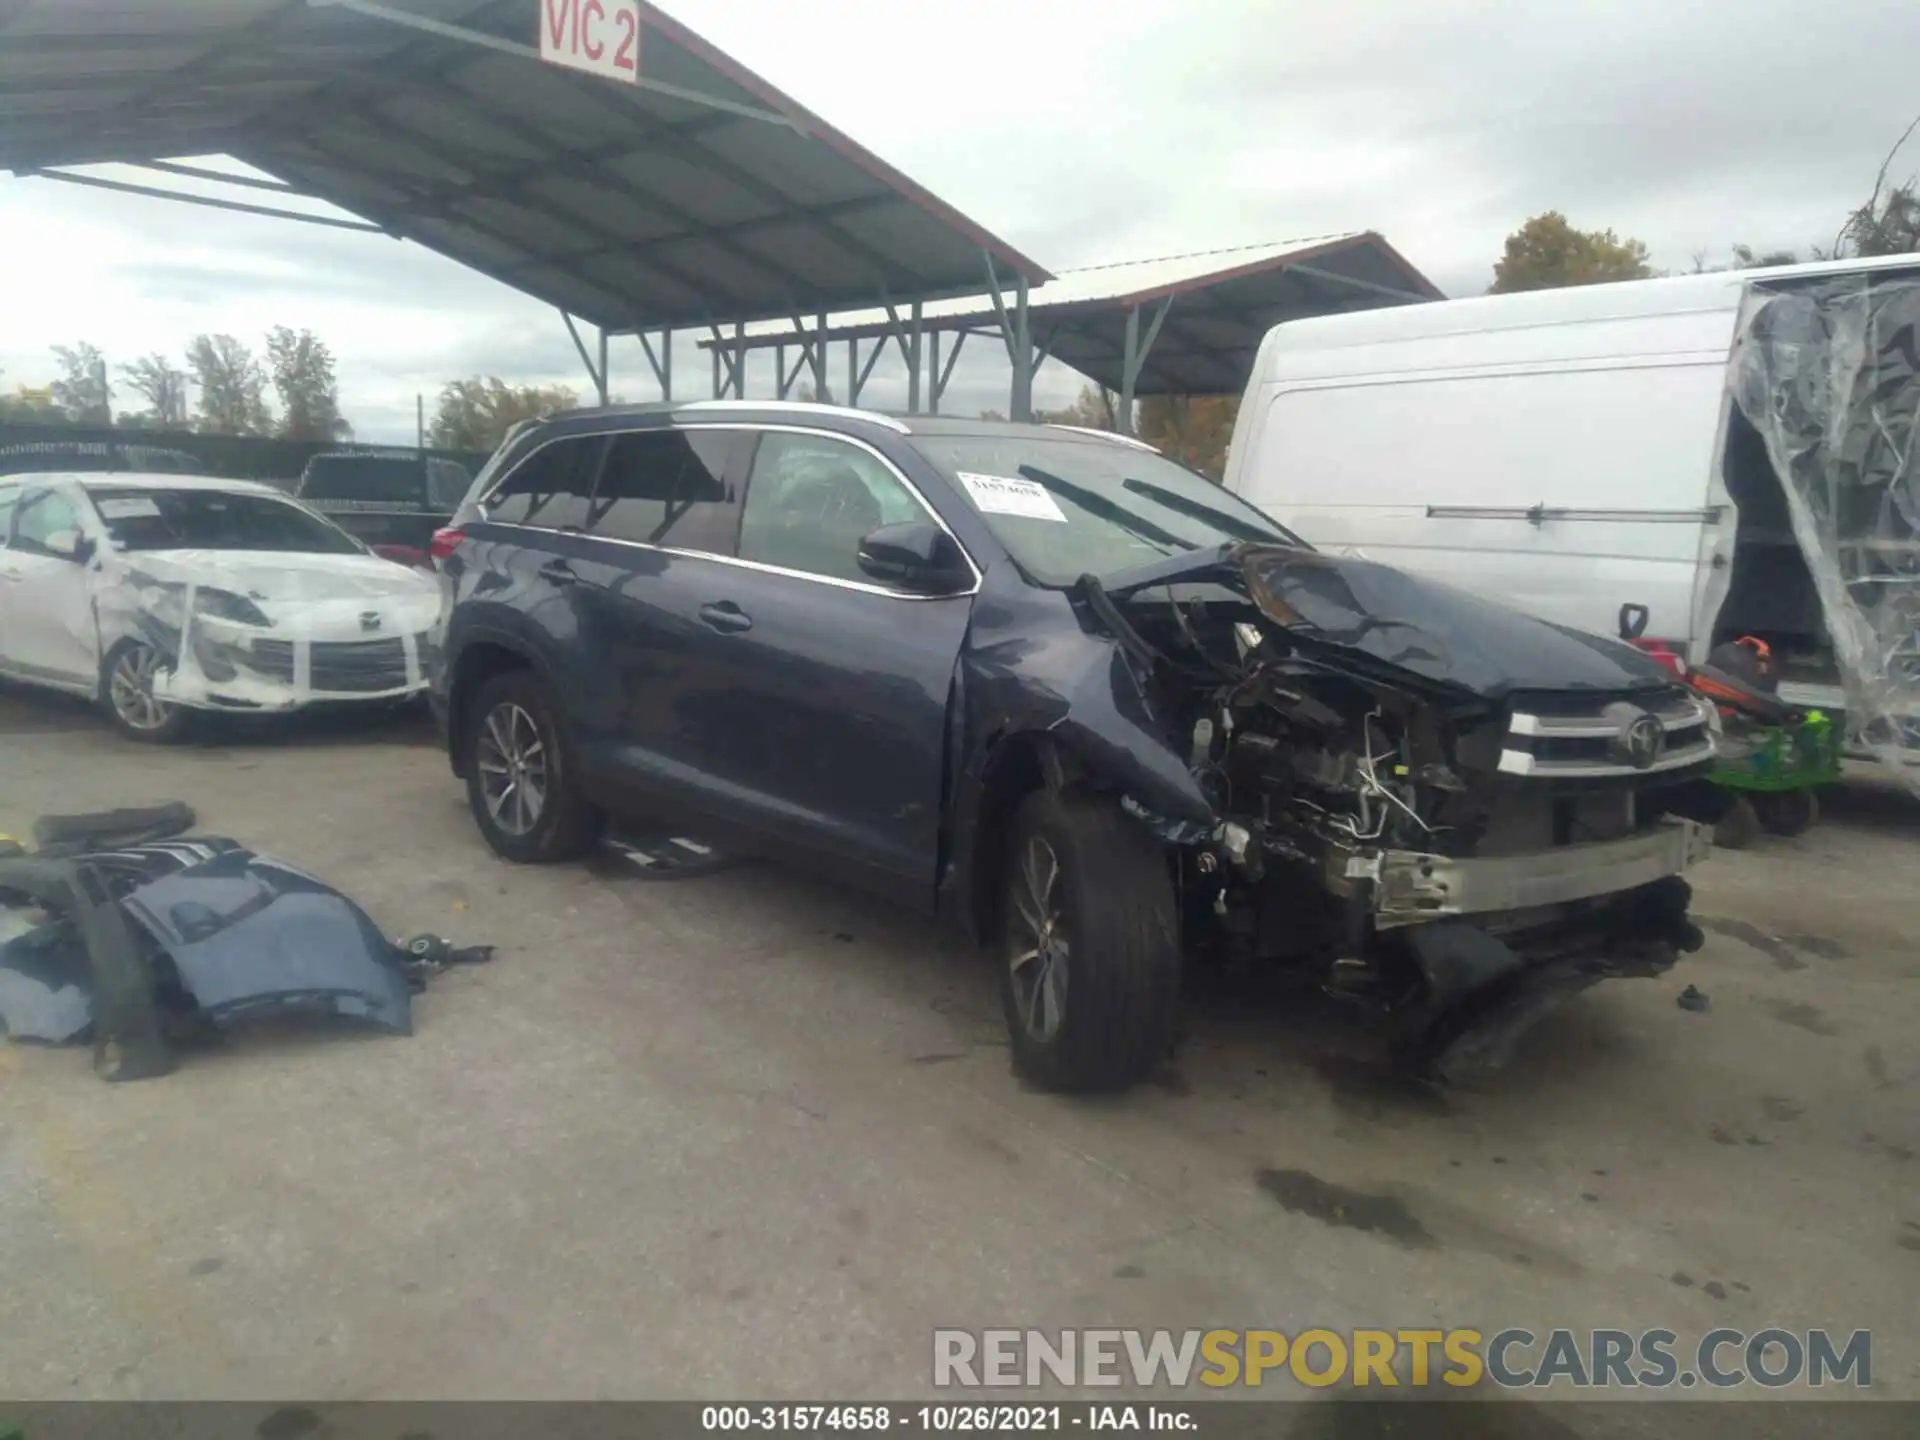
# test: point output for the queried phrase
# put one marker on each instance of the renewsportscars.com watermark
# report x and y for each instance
(1511, 1359)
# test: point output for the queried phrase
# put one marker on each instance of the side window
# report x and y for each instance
(812, 499)
(668, 487)
(42, 514)
(549, 488)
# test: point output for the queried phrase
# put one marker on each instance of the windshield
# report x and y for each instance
(149, 519)
(1066, 508)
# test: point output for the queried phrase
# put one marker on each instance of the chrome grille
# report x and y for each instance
(1585, 738)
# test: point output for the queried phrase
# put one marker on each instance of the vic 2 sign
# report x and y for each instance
(601, 37)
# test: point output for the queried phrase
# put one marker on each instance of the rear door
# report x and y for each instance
(516, 577)
(663, 515)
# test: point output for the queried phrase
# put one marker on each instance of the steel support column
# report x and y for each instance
(662, 363)
(913, 365)
(597, 374)
(858, 374)
(822, 392)
(937, 377)
(1134, 358)
(1023, 362)
(1016, 332)
(933, 372)
(733, 359)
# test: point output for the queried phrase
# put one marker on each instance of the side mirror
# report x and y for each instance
(917, 556)
(69, 545)
(1633, 621)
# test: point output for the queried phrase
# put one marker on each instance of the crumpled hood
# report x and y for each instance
(1429, 629)
(270, 575)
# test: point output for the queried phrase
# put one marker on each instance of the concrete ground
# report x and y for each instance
(747, 1136)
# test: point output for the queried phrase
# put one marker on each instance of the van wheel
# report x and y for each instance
(1089, 945)
(126, 694)
(520, 776)
(1789, 812)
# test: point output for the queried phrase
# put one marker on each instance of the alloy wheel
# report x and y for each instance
(130, 689)
(512, 760)
(1038, 943)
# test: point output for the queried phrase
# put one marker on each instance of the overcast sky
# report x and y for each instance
(1088, 131)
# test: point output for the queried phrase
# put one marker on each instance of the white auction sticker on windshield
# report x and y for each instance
(1004, 495)
(126, 507)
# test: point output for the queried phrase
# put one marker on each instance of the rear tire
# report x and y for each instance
(126, 694)
(520, 780)
(1089, 945)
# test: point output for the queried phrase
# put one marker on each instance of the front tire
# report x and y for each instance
(520, 783)
(1089, 945)
(126, 694)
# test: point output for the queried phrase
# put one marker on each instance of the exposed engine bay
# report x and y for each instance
(1461, 813)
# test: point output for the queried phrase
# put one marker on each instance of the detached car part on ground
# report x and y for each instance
(122, 930)
(1101, 713)
(163, 596)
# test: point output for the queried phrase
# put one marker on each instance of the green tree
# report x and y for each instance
(83, 392)
(1193, 429)
(1547, 252)
(302, 370)
(233, 387)
(163, 386)
(476, 414)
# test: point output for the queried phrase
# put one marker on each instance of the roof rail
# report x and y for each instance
(1113, 435)
(805, 407)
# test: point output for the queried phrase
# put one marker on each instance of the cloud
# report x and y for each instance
(1086, 131)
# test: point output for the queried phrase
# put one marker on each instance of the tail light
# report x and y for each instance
(445, 542)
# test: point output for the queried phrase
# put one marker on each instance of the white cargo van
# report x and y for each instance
(1566, 451)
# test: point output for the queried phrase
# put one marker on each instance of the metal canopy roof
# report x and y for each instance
(1218, 306)
(630, 206)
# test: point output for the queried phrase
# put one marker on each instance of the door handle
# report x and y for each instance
(558, 572)
(726, 617)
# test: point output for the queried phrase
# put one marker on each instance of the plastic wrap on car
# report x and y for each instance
(1829, 374)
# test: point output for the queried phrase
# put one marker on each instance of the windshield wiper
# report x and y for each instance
(1206, 514)
(1098, 504)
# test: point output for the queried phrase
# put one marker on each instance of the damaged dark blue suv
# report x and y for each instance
(1103, 714)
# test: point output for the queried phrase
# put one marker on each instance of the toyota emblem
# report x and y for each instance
(369, 619)
(1641, 741)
